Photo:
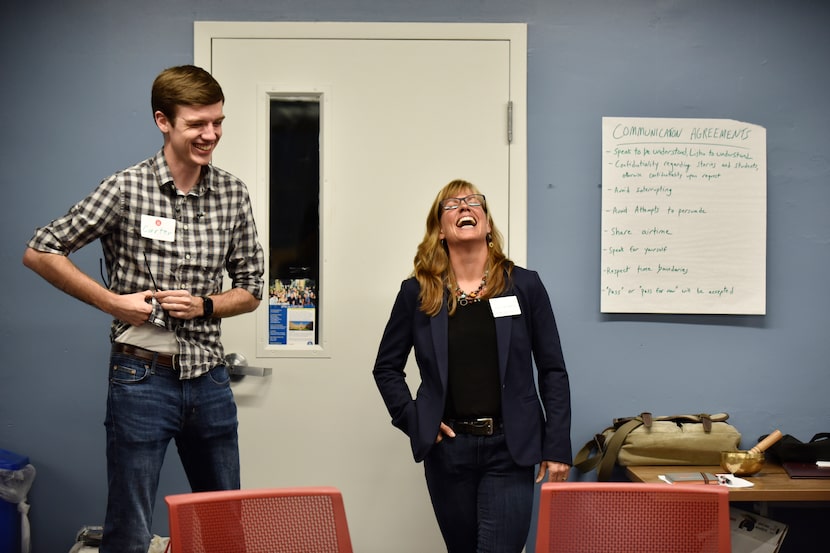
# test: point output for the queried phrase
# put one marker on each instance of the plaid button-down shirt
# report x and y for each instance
(214, 231)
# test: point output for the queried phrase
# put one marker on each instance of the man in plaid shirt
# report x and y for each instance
(169, 228)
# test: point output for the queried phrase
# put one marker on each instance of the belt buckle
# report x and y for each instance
(484, 426)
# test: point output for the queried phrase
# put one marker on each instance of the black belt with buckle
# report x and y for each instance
(165, 359)
(482, 426)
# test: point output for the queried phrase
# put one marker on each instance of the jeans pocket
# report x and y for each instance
(219, 375)
(126, 370)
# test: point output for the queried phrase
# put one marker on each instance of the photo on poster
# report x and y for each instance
(292, 312)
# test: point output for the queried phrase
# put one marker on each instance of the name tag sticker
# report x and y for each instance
(505, 306)
(158, 228)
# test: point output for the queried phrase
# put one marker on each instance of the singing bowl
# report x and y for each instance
(742, 463)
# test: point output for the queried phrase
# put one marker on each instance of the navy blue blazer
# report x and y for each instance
(534, 430)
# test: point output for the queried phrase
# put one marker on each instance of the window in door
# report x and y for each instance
(294, 222)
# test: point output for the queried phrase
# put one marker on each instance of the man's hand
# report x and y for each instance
(134, 309)
(180, 304)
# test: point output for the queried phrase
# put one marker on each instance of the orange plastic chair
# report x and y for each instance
(280, 520)
(623, 517)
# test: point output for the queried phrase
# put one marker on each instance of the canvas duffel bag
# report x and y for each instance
(648, 440)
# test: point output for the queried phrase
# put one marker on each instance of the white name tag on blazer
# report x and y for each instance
(158, 228)
(505, 306)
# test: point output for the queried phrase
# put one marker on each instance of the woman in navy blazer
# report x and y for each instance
(477, 323)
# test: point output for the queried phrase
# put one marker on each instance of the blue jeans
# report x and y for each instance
(147, 406)
(482, 499)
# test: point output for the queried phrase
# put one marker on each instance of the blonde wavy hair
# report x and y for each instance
(432, 262)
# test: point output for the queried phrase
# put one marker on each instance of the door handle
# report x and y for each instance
(238, 367)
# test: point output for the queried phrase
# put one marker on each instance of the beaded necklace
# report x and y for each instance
(464, 298)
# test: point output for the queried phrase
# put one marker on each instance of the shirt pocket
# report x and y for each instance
(212, 242)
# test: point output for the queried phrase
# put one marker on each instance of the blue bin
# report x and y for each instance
(10, 520)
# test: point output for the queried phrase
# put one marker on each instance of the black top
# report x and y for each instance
(474, 387)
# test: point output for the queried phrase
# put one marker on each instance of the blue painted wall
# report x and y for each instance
(75, 93)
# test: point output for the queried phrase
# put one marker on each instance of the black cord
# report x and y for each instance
(104, 278)
(150, 272)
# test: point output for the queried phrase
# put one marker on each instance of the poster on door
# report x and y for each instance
(292, 312)
(683, 216)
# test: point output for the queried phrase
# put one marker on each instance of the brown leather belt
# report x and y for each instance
(482, 426)
(165, 359)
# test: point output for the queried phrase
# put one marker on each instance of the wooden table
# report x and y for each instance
(771, 484)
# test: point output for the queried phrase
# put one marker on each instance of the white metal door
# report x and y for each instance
(405, 109)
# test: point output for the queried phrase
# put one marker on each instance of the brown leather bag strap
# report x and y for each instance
(703, 418)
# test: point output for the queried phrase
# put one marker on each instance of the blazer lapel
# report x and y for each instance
(504, 325)
(439, 327)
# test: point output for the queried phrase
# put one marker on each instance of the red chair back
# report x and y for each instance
(623, 517)
(285, 520)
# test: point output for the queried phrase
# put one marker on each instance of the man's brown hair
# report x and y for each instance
(184, 85)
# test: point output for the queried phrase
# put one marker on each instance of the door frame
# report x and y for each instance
(325, 404)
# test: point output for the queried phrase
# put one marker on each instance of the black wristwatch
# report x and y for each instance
(207, 305)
